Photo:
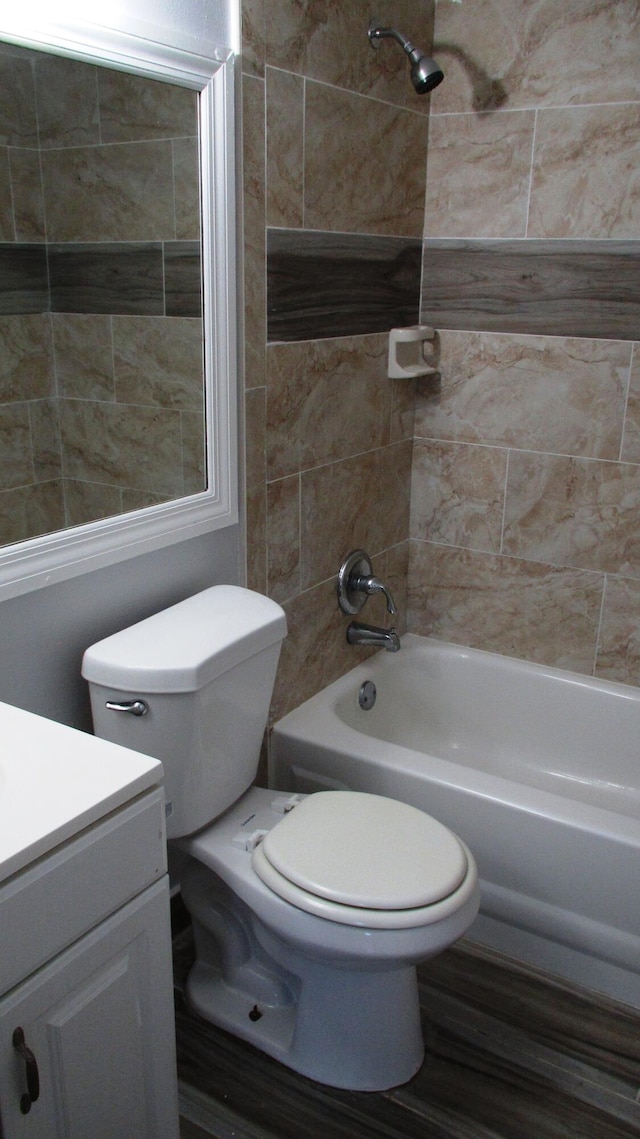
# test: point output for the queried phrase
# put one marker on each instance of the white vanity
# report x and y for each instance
(87, 1043)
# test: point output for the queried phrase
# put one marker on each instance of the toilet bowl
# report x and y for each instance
(309, 912)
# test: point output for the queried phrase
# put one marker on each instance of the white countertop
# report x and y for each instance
(55, 780)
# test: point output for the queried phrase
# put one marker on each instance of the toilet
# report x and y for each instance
(310, 912)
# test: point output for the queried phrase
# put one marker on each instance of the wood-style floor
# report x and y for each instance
(511, 1053)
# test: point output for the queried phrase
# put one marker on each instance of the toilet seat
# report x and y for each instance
(361, 859)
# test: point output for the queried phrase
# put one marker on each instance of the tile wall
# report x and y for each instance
(335, 148)
(511, 510)
(101, 395)
(525, 502)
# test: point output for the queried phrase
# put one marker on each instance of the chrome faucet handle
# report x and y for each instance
(357, 581)
(371, 585)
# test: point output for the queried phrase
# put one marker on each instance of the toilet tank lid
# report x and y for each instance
(186, 646)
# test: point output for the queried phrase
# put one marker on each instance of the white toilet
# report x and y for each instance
(309, 912)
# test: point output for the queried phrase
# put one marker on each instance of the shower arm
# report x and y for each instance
(378, 33)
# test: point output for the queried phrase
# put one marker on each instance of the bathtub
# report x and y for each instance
(537, 769)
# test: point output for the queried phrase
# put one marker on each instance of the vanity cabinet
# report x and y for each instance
(87, 1039)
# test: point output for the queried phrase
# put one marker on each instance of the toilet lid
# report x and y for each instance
(366, 851)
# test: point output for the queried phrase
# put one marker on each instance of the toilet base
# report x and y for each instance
(345, 1025)
(359, 1031)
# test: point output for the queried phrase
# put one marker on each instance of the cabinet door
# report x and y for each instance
(99, 1023)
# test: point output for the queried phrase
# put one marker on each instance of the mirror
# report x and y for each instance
(117, 330)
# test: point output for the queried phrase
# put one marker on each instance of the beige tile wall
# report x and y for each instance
(523, 503)
(98, 414)
(525, 506)
(329, 436)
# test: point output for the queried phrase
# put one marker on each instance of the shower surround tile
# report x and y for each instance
(574, 512)
(457, 494)
(133, 197)
(557, 288)
(285, 149)
(24, 285)
(619, 640)
(631, 440)
(336, 509)
(326, 400)
(83, 349)
(327, 285)
(29, 511)
(134, 108)
(523, 53)
(392, 147)
(107, 278)
(583, 182)
(254, 205)
(318, 38)
(520, 608)
(474, 159)
(158, 361)
(26, 357)
(532, 392)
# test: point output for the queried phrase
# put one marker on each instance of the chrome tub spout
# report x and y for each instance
(359, 634)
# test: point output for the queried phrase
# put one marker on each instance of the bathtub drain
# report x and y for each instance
(367, 695)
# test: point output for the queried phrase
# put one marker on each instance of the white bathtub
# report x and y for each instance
(538, 770)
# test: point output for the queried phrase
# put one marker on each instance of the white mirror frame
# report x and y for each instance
(42, 561)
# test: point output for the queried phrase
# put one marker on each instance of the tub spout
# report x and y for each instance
(359, 634)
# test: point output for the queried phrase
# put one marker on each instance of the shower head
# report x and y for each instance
(425, 72)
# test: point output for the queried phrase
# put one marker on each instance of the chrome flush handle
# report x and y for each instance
(133, 707)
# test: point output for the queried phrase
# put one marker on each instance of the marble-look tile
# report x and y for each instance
(7, 226)
(26, 357)
(104, 443)
(283, 538)
(532, 392)
(16, 454)
(285, 149)
(18, 117)
(523, 53)
(457, 494)
(23, 279)
(351, 144)
(186, 176)
(573, 512)
(83, 348)
(194, 451)
(543, 613)
(67, 102)
(328, 41)
(475, 160)
(253, 151)
(107, 278)
(45, 439)
(255, 418)
(29, 511)
(339, 512)
(315, 651)
(631, 438)
(132, 196)
(88, 501)
(618, 655)
(134, 108)
(256, 556)
(324, 284)
(561, 288)
(28, 202)
(581, 185)
(254, 37)
(326, 400)
(157, 361)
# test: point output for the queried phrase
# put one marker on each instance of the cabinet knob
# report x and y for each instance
(31, 1066)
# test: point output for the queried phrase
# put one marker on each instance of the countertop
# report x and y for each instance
(55, 781)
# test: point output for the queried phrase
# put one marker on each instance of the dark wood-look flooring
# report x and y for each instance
(511, 1053)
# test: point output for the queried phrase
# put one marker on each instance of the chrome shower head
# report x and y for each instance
(425, 72)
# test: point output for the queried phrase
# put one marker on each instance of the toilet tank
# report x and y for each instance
(205, 668)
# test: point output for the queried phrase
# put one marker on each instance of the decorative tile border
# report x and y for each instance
(136, 278)
(327, 284)
(560, 288)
